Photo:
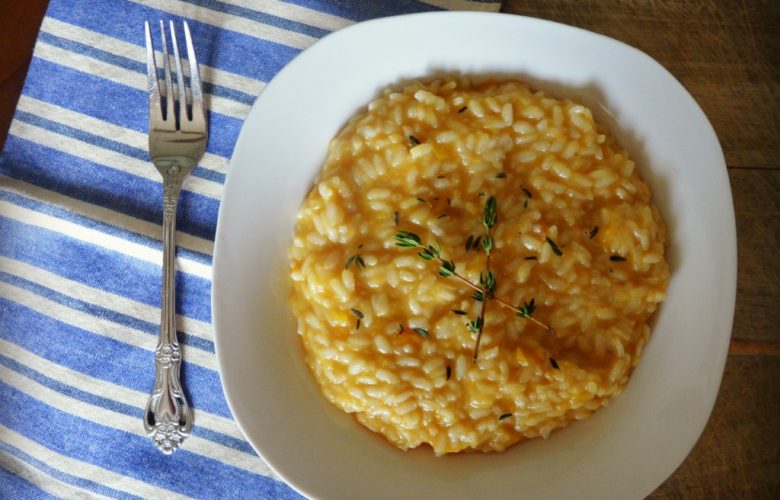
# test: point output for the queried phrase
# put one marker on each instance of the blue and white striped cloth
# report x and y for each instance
(80, 250)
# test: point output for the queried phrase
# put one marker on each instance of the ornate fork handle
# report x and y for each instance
(178, 133)
(168, 419)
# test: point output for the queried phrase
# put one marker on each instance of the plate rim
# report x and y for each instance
(728, 230)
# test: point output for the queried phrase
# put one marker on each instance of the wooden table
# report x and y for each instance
(727, 54)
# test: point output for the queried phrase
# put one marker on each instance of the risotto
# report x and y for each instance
(521, 223)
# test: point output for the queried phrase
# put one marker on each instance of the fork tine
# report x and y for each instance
(195, 86)
(168, 85)
(183, 115)
(151, 72)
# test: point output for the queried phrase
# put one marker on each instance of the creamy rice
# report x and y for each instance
(425, 159)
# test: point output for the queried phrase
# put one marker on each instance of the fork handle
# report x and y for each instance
(168, 419)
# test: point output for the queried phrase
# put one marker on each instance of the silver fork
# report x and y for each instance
(177, 140)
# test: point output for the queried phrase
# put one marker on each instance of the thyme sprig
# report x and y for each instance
(485, 290)
(359, 315)
(355, 259)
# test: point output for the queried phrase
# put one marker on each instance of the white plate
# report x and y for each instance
(623, 451)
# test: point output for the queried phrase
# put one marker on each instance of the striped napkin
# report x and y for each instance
(80, 250)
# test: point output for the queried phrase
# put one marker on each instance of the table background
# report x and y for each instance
(727, 54)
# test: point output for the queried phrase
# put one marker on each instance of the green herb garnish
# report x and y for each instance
(555, 249)
(355, 259)
(475, 325)
(359, 316)
(473, 243)
(487, 244)
(490, 213)
(487, 281)
(482, 292)
(407, 239)
(526, 309)
(477, 243)
(447, 269)
(422, 332)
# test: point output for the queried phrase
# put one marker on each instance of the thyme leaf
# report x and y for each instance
(555, 249)
(475, 325)
(487, 244)
(405, 239)
(422, 332)
(447, 269)
(359, 316)
(490, 214)
(487, 281)
(477, 243)
(355, 259)
(526, 309)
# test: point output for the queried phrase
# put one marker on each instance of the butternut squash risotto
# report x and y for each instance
(475, 266)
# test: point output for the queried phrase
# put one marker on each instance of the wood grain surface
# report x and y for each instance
(727, 54)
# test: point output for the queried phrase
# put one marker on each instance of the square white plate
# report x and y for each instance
(623, 451)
